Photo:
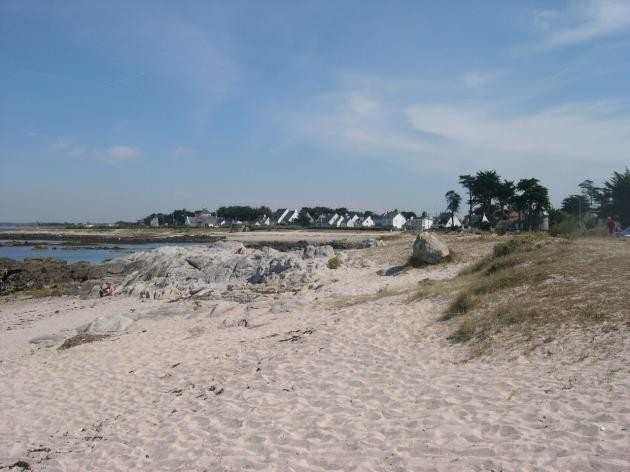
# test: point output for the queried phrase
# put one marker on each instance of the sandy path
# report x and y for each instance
(373, 386)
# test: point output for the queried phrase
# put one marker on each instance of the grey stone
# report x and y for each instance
(429, 249)
(368, 243)
(311, 252)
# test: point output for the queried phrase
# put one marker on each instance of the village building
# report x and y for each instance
(391, 219)
(202, 219)
(419, 224)
(284, 216)
(263, 220)
(350, 220)
(326, 220)
(154, 223)
(365, 222)
(446, 221)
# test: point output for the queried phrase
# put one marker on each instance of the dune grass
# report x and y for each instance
(533, 284)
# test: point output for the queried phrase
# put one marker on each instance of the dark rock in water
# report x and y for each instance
(40, 272)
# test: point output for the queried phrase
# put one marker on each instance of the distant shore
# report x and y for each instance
(283, 239)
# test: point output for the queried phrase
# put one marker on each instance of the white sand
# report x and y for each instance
(374, 386)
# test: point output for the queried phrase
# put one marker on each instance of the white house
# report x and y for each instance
(279, 216)
(292, 216)
(365, 222)
(201, 220)
(340, 221)
(391, 219)
(445, 221)
(326, 220)
(154, 222)
(350, 221)
(419, 224)
(263, 220)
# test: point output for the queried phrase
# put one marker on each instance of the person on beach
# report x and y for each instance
(108, 291)
(611, 226)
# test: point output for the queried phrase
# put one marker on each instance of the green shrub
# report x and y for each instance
(334, 263)
(461, 305)
(567, 226)
(503, 226)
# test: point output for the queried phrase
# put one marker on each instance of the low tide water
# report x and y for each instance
(94, 254)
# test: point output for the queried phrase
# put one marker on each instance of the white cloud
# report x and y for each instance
(59, 145)
(112, 155)
(477, 79)
(182, 152)
(591, 132)
(584, 21)
(123, 152)
(560, 145)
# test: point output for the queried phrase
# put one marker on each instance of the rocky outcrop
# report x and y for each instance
(428, 249)
(41, 272)
(222, 268)
(311, 252)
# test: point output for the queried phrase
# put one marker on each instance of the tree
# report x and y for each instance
(486, 187)
(243, 213)
(589, 191)
(408, 214)
(576, 205)
(616, 195)
(533, 199)
(468, 182)
(505, 194)
(453, 200)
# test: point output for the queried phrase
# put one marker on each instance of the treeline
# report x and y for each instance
(243, 213)
(611, 199)
(494, 198)
(175, 218)
(249, 214)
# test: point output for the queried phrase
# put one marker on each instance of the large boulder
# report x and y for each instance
(427, 248)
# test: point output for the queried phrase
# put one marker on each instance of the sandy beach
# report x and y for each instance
(335, 377)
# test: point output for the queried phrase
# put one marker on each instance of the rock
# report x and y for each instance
(47, 340)
(368, 243)
(40, 272)
(106, 324)
(311, 252)
(95, 292)
(429, 249)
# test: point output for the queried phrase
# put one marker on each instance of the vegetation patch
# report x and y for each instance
(82, 338)
(534, 284)
(334, 263)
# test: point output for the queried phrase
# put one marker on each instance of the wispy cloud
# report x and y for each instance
(113, 155)
(478, 79)
(182, 152)
(581, 22)
(590, 138)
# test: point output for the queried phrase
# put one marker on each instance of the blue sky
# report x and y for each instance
(113, 110)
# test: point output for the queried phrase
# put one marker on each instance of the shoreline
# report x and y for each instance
(281, 239)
